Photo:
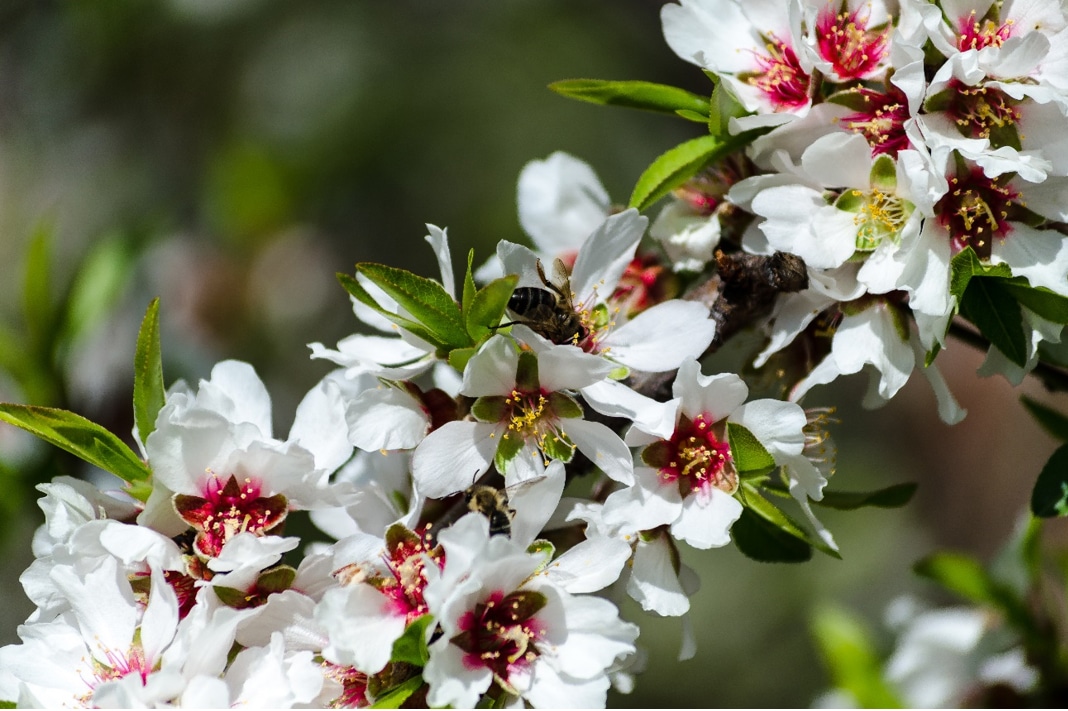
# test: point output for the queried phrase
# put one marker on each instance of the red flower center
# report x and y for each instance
(980, 110)
(976, 34)
(975, 210)
(845, 41)
(500, 633)
(696, 457)
(227, 509)
(882, 121)
(780, 76)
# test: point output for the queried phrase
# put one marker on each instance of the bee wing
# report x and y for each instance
(521, 486)
(561, 277)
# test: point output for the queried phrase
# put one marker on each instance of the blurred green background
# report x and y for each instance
(231, 156)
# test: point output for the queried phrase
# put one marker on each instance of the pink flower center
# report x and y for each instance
(642, 285)
(977, 34)
(500, 634)
(407, 562)
(117, 666)
(882, 121)
(780, 76)
(979, 111)
(975, 210)
(696, 457)
(845, 41)
(353, 686)
(228, 508)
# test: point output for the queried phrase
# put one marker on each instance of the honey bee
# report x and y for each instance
(493, 504)
(549, 312)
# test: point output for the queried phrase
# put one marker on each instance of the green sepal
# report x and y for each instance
(81, 437)
(619, 373)
(487, 307)
(410, 647)
(425, 299)
(364, 297)
(231, 597)
(658, 454)
(634, 95)
(851, 99)
(883, 175)
(398, 534)
(395, 697)
(748, 453)
(459, 357)
(563, 405)
(544, 550)
(851, 658)
(764, 542)
(489, 408)
(276, 580)
(679, 164)
(526, 373)
(557, 445)
(148, 392)
(1041, 301)
(510, 445)
(1049, 498)
(997, 315)
(9, 705)
(1052, 421)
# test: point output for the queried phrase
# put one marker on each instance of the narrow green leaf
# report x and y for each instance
(425, 299)
(692, 116)
(851, 658)
(1049, 498)
(395, 697)
(1054, 422)
(998, 317)
(364, 297)
(892, 497)
(79, 436)
(679, 164)
(149, 393)
(410, 647)
(632, 94)
(488, 305)
(1050, 306)
(748, 453)
(778, 518)
(469, 285)
(764, 542)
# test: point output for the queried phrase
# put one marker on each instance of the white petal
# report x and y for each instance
(777, 425)
(706, 523)
(590, 566)
(452, 457)
(561, 201)
(362, 626)
(603, 447)
(386, 418)
(653, 582)
(660, 338)
(439, 241)
(714, 396)
(605, 254)
(491, 371)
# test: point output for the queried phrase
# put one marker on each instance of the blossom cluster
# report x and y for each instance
(883, 142)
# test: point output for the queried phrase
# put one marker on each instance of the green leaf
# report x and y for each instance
(997, 315)
(79, 436)
(364, 297)
(692, 116)
(469, 284)
(851, 658)
(1050, 306)
(410, 647)
(679, 164)
(748, 453)
(149, 393)
(100, 281)
(487, 307)
(425, 299)
(721, 109)
(964, 576)
(772, 514)
(38, 289)
(892, 497)
(633, 94)
(396, 696)
(764, 542)
(1056, 423)
(1049, 498)
(966, 265)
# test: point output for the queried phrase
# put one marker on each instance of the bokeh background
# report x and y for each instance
(230, 156)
